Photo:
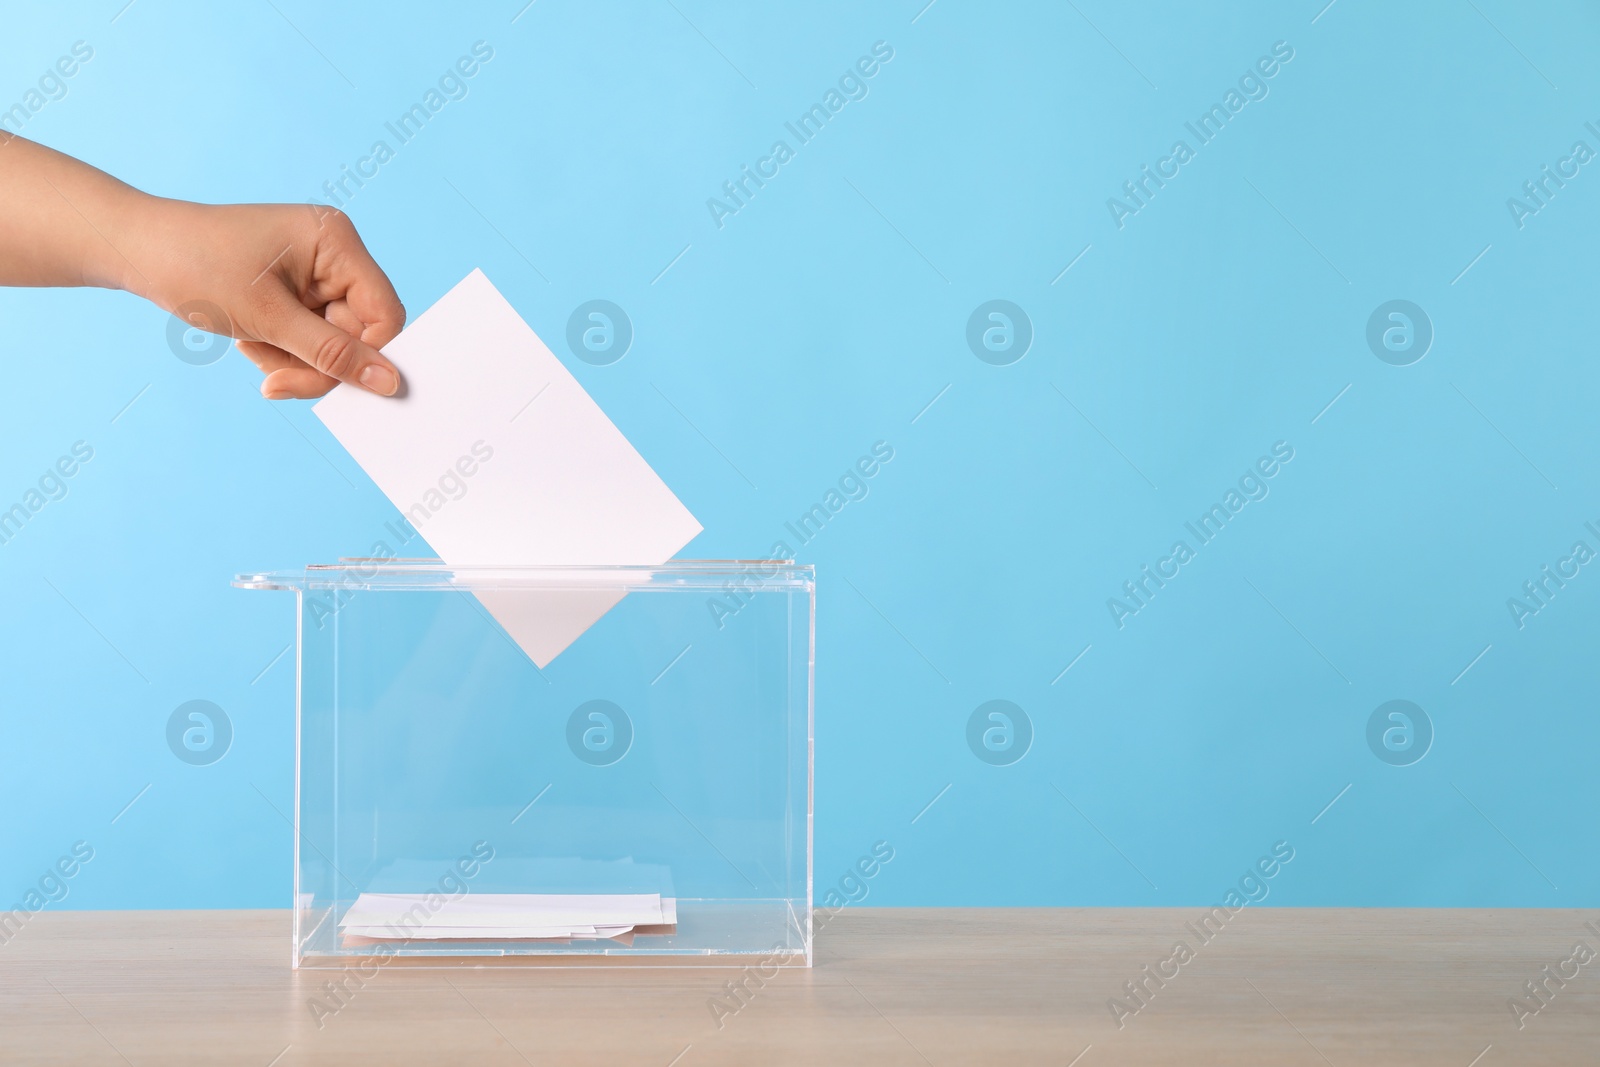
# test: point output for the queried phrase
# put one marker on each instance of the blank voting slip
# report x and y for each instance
(505, 916)
(495, 453)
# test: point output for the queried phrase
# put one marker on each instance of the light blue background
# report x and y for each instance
(824, 317)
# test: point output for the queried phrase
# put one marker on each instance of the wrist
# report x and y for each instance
(135, 257)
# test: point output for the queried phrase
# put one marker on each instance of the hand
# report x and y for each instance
(294, 284)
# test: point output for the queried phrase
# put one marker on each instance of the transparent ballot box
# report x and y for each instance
(552, 764)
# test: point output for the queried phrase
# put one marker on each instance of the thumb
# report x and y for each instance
(310, 337)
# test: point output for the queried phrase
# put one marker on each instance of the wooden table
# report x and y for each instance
(901, 986)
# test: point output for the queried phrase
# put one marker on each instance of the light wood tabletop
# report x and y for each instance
(890, 986)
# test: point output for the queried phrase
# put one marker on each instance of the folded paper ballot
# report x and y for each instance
(496, 455)
(512, 909)
(486, 933)
(504, 916)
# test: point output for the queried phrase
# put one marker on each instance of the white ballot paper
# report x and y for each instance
(504, 916)
(496, 455)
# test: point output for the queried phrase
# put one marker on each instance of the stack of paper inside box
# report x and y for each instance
(506, 916)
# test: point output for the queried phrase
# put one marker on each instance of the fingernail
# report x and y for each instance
(380, 379)
(276, 394)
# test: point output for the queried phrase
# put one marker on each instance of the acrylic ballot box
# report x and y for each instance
(643, 797)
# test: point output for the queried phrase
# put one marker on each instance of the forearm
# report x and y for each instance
(62, 221)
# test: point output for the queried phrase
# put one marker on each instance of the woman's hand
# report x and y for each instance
(294, 284)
